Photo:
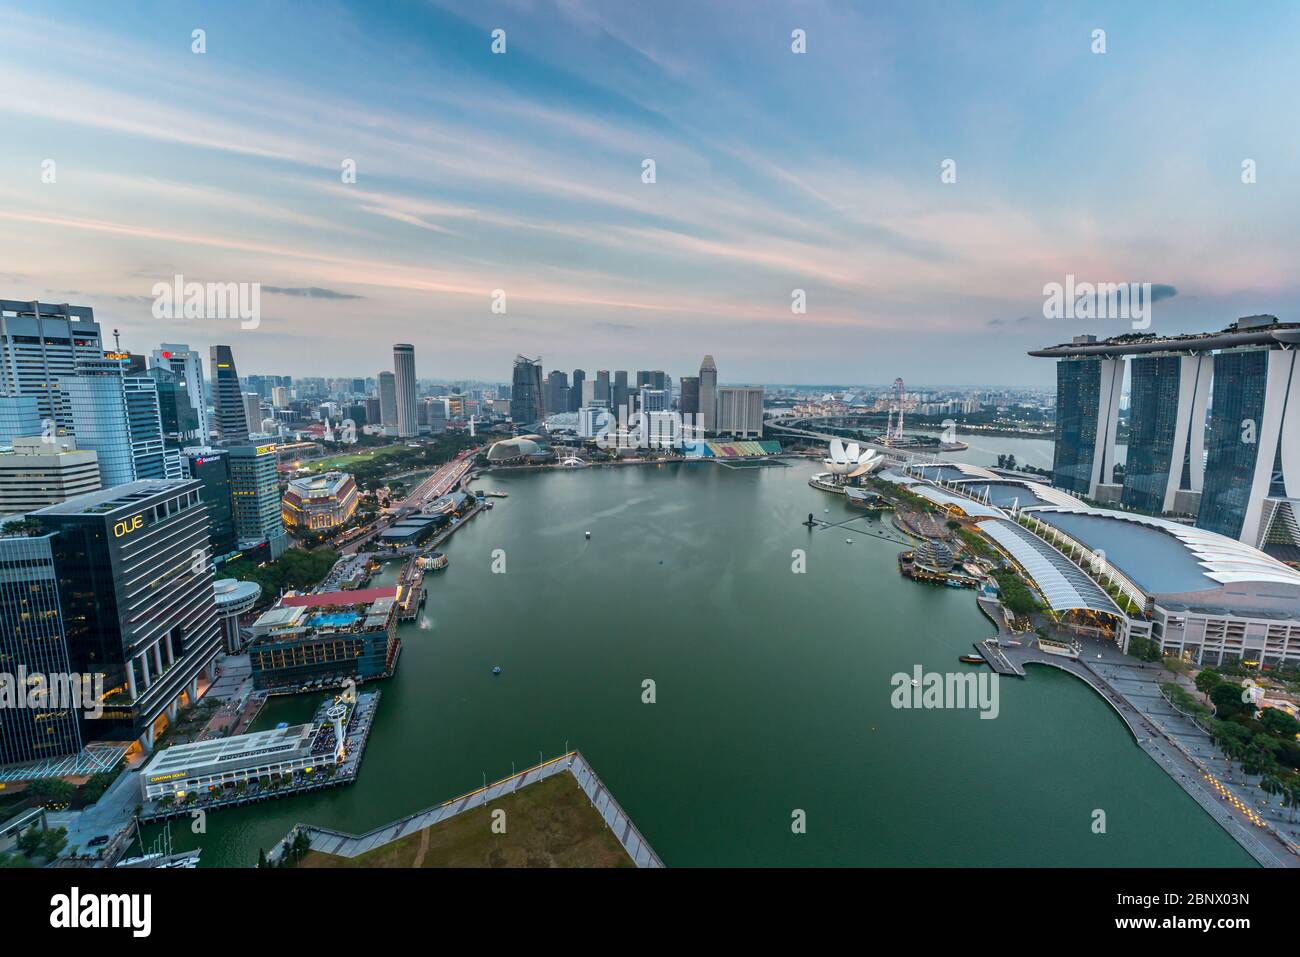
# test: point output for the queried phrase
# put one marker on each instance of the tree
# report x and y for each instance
(1226, 697)
(1278, 722)
(261, 857)
(1207, 680)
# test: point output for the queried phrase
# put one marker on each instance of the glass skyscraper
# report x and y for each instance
(1236, 418)
(229, 419)
(1078, 396)
(527, 397)
(1153, 425)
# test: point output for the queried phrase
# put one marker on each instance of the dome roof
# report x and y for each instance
(513, 449)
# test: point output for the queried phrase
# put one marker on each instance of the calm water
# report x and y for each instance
(773, 692)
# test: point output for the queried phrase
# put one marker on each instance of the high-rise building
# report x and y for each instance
(180, 421)
(709, 394)
(185, 363)
(255, 494)
(229, 419)
(118, 418)
(19, 415)
(1087, 419)
(32, 640)
(740, 411)
(373, 414)
(387, 385)
(527, 398)
(1251, 478)
(557, 391)
(1254, 444)
(40, 472)
(690, 401)
(1166, 447)
(253, 411)
(39, 345)
(653, 400)
(615, 394)
(135, 586)
(576, 389)
(211, 467)
(404, 387)
(280, 397)
(437, 416)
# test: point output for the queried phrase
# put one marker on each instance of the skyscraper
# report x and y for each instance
(740, 411)
(386, 383)
(1087, 418)
(527, 401)
(32, 639)
(575, 390)
(118, 418)
(19, 415)
(1166, 447)
(690, 402)
(185, 363)
(211, 467)
(136, 591)
(616, 395)
(255, 495)
(40, 344)
(404, 386)
(229, 419)
(253, 411)
(709, 394)
(557, 392)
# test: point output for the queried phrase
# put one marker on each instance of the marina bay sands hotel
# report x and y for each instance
(1240, 476)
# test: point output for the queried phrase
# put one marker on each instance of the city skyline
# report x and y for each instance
(775, 172)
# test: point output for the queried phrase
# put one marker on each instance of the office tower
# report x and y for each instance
(576, 389)
(437, 416)
(690, 401)
(615, 395)
(358, 386)
(740, 411)
(185, 363)
(135, 587)
(39, 472)
(263, 385)
(118, 418)
(588, 393)
(653, 379)
(211, 467)
(709, 394)
(19, 415)
(253, 411)
(527, 399)
(40, 344)
(404, 386)
(255, 494)
(229, 420)
(373, 415)
(1087, 417)
(280, 397)
(32, 640)
(180, 420)
(387, 384)
(653, 400)
(557, 391)
(1166, 447)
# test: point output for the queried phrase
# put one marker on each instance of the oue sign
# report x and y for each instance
(127, 526)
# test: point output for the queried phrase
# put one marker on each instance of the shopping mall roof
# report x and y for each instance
(948, 499)
(357, 596)
(1012, 493)
(1165, 557)
(1064, 584)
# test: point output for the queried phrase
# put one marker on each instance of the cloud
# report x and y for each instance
(1162, 291)
(310, 292)
(1021, 320)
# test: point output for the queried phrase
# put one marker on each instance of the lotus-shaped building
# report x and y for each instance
(852, 461)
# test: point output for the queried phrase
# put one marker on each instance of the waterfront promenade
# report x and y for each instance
(1184, 751)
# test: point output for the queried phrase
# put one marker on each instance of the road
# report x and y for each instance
(440, 482)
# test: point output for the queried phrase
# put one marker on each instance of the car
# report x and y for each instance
(97, 841)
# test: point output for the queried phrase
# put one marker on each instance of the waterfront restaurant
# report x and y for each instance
(208, 765)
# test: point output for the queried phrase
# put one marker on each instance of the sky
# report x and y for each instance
(128, 159)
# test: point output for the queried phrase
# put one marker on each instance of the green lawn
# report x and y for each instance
(343, 461)
(548, 824)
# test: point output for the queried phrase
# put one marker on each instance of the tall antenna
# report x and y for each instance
(117, 341)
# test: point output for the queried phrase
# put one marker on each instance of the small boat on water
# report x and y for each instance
(496, 669)
(971, 659)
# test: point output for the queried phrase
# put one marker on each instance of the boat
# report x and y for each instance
(971, 659)
(588, 534)
(496, 669)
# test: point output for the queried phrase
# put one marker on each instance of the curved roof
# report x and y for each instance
(1020, 493)
(1064, 584)
(232, 591)
(954, 471)
(513, 448)
(947, 499)
(1162, 556)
